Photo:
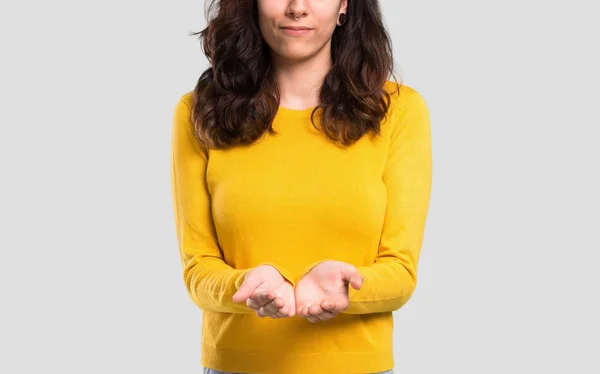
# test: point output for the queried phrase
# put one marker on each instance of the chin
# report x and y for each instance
(295, 54)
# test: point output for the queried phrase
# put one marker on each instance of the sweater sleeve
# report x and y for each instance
(390, 281)
(209, 280)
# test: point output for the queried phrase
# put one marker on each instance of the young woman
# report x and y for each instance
(301, 180)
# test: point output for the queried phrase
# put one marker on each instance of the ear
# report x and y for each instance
(344, 6)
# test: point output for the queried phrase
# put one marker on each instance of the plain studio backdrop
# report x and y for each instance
(90, 274)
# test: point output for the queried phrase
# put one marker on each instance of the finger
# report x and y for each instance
(282, 312)
(289, 309)
(303, 310)
(334, 306)
(250, 303)
(263, 313)
(292, 309)
(315, 309)
(260, 312)
(328, 305)
(325, 316)
(285, 311)
(313, 319)
(318, 312)
(260, 299)
(273, 307)
(246, 289)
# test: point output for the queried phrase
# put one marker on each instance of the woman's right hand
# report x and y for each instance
(267, 292)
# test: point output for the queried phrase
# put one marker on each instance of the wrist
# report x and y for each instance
(285, 273)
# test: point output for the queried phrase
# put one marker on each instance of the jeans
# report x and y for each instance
(211, 371)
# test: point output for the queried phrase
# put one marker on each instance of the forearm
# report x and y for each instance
(387, 286)
(211, 283)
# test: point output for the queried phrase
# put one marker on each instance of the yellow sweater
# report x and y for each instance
(292, 200)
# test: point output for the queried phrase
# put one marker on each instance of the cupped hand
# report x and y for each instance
(323, 291)
(267, 292)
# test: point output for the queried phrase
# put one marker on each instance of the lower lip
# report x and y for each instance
(296, 32)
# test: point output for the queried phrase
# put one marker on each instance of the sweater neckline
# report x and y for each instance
(295, 112)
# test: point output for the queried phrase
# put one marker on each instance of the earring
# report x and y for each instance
(342, 19)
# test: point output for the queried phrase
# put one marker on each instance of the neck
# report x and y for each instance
(300, 81)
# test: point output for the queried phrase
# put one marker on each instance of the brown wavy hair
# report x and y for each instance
(237, 97)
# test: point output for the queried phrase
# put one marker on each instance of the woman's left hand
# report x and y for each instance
(323, 291)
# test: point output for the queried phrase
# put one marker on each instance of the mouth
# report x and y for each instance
(296, 30)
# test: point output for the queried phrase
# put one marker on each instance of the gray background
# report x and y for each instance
(90, 275)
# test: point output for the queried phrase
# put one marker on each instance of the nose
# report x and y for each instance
(297, 8)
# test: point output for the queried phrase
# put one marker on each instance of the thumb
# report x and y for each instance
(357, 281)
(352, 276)
(246, 289)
